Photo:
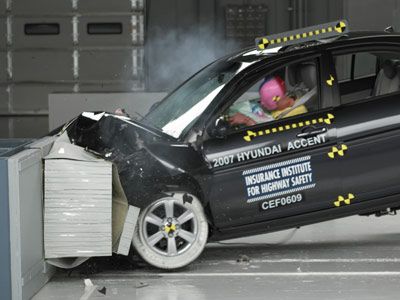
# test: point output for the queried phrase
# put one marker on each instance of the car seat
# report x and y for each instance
(302, 77)
(388, 80)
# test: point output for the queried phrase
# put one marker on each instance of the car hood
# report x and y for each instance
(123, 141)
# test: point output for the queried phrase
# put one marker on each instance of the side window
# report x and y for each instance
(365, 65)
(290, 91)
(355, 66)
(363, 75)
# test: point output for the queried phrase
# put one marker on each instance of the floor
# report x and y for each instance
(351, 258)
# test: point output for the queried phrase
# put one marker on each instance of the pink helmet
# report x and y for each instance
(271, 91)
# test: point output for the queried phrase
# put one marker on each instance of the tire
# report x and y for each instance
(171, 233)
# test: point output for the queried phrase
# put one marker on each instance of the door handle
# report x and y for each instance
(311, 133)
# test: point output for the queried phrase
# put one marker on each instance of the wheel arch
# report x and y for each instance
(187, 183)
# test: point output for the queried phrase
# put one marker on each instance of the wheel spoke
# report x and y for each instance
(186, 216)
(172, 246)
(153, 219)
(169, 208)
(186, 235)
(155, 238)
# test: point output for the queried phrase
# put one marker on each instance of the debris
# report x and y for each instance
(103, 290)
(88, 282)
(142, 285)
(243, 259)
(89, 289)
(126, 237)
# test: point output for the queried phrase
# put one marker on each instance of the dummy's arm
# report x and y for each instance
(241, 119)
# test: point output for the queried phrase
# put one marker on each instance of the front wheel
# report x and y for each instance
(172, 231)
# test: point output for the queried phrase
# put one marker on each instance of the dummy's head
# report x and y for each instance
(271, 91)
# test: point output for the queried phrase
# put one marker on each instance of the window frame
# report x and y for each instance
(317, 57)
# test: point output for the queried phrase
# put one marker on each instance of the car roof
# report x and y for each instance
(353, 37)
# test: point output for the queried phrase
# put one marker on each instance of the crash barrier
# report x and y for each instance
(86, 212)
(21, 200)
(30, 215)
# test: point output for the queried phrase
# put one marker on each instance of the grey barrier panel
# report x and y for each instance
(29, 272)
(5, 278)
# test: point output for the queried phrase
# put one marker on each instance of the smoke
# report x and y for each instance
(173, 56)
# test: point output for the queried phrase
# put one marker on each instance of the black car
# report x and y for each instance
(201, 169)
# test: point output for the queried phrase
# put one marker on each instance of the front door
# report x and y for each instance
(275, 169)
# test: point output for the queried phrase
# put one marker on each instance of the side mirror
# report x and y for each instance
(220, 128)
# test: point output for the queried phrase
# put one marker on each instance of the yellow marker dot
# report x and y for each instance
(291, 37)
(287, 127)
(314, 121)
(274, 130)
(304, 35)
(330, 29)
(298, 36)
(321, 120)
(260, 132)
(301, 124)
(281, 128)
(272, 42)
(294, 125)
(267, 131)
(285, 39)
(310, 33)
(316, 32)
(308, 122)
(323, 30)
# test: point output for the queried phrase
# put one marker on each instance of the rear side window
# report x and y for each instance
(362, 75)
(353, 66)
(365, 65)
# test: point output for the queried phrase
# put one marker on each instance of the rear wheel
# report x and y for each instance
(171, 232)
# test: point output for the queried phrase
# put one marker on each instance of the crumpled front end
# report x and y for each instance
(140, 154)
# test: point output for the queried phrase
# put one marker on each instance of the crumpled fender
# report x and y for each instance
(147, 160)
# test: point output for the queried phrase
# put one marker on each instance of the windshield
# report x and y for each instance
(181, 109)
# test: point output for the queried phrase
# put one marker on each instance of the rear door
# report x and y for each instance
(276, 169)
(368, 126)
